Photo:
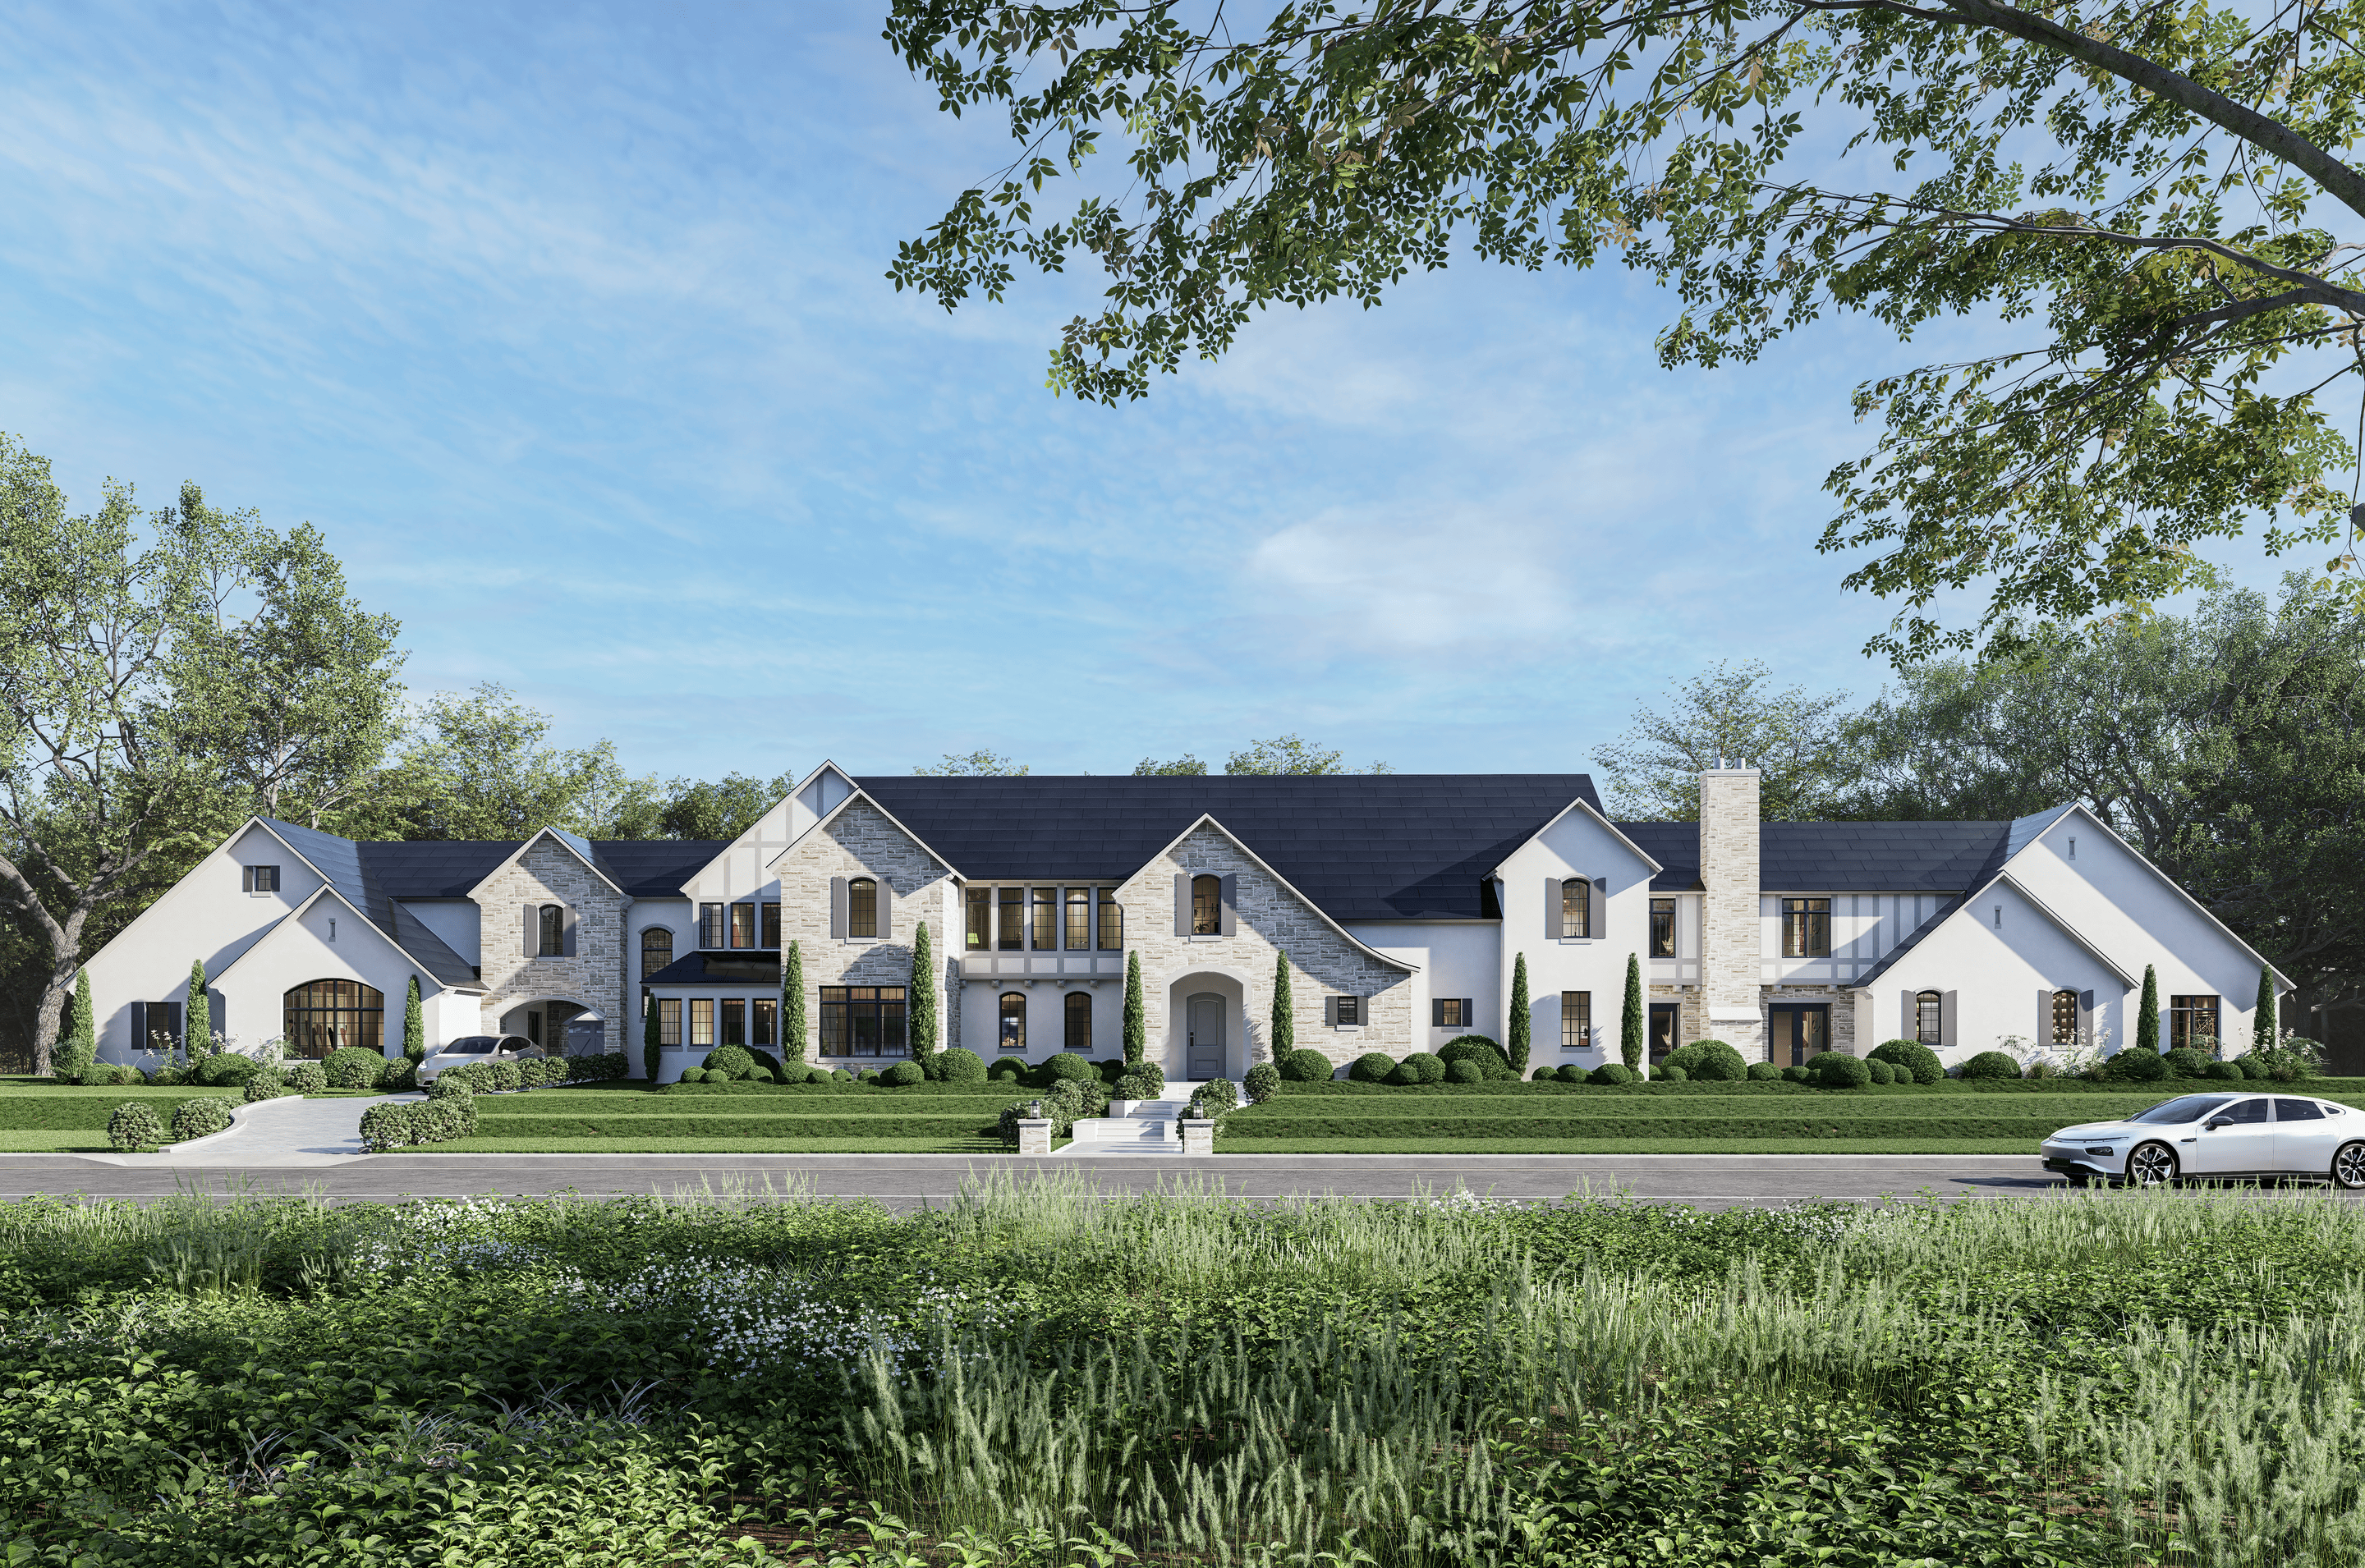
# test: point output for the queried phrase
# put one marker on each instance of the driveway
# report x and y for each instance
(304, 1158)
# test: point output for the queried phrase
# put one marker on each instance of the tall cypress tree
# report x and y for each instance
(1283, 1033)
(2266, 1033)
(924, 999)
(652, 1043)
(2148, 1015)
(1520, 1035)
(414, 1024)
(1136, 1023)
(1633, 1039)
(197, 1038)
(81, 1046)
(792, 1006)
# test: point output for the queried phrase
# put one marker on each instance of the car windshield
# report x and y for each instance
(480, 1046)
(2187, 1108)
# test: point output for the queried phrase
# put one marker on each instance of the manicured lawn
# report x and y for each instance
(505, 1144)
(628, 1118)
(66, 1108)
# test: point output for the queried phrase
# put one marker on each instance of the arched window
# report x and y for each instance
(2065, 1017)
(1206, 906)
(1013, 1024)
(657, 950)
(325, 1013)
(1079, 1023)
(552, 930)
(862, 907)
(1576, 907)
(1927, 1021)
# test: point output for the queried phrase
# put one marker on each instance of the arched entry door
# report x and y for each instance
(1204, 1056)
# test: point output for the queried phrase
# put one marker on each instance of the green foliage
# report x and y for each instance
(1670, 1074)
(1631, 1019)
(1710, 1060)
(79, 1050)
(1911, 1056)
(1794, 1074)
(1522, 1026)
(1838, 1070)
(400, 1077)
(265, 1083)
(732, 1061)
(1462, 1071)
(1424, 1067)
(2265, 1033)
(1010, 1069)
(1305, 1066)
(959, 1065)
(1478, 1050)
(1764, 1072)
(414, 1023)
(1280, 1037)
(2148, 1016)
(1569, 1073)
(1261, 1082)
(135, 1125)
(903, 1074)
(923, 1027)
(609, 1066)
(1136, 1025)
(1372, 1066)
(354, 1066)
(980, 764)
(312, 1077)
(1791, 738)
(652, 1041)
(1996, 1065)
(200, 1117)
(795, 1032)
(2226, 1072)
(1881, 1072)
(698, 1075)
(224, 1069)
(2186, 1062)
(1066, 1065)
(1610, 1074)
(197, 1034)
(2126, 1067)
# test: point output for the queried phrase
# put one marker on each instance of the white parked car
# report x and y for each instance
(2217, 1135)
(470, 1050)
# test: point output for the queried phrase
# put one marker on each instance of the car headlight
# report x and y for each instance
(2100, 1148)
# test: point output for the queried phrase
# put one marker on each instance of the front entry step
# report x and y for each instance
(1128, 1135)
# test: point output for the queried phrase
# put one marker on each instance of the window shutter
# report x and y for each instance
(2085, 1017)
(246, 878)
(1597, 908)
(1231, 900)
(885, 904)
(533, 932)
(1436, 1013)
(139, 1025)
(837, 908)
(1946, 1035)
(1182, 904)
(1330, 1011)
(1551, 908)
(1909, 1016)
(1469, 1012)
(567, 931)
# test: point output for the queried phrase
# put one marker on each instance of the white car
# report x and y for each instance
(2217, 1135)
(470, 1050)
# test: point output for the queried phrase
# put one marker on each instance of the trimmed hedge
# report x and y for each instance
(134, 1124)
(201, 1118)
(1372, 1066)
(353, 1067)
(1488, 1057)
(1855, 1119)
(1303, 1066)
(958, 1065)
(1993, 1065)
(971, 1123)
(1838, 1070)
(1709, 1059)
(1910, 1055)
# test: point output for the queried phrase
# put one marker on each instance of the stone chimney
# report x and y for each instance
(1731, 936)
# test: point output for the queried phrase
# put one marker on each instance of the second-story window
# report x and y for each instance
(1806, 928)
(1047, 918)
(769, 926)
(743, 927)
(260, 879)
(657, 949)
(981, 919)
(1663, 928)
(862, 907)
(709, 926)
(1111, 924)
(1013, 929)
(553, 932)
(1576, 907)
(1206, 906)
(1079, 919)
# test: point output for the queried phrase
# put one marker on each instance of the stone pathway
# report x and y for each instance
(273, 1133)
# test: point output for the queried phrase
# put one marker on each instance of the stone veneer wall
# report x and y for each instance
(1842, 1014)
(1324, 961)
(1731, 934)
(593, 977)
(860, 841)
(1691, 1023)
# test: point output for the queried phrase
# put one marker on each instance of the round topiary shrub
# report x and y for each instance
(135, 1125)
(308, 1076)
(1425, 1068)
(2225, 1071)
(1303, 1066)
(959, 1065)
(732, 1061)
(903, 1075)
(1402, 1077)
(694, 1075)
(1610, 1073)
(449, 1086)
(2136, 1067)
(350, 1067)
(759, 1073)
(1764, 1072)
(200, 1119)
(1465, 1072)
(1838, 1070)
(1569, 1073)
(1261, 1082)
(2186, 1062)
(402, 1076)
(1542, 1075)
(224, 1069)
(1372, 1066)
(1988, 1067)
(1068, 1066)
(867, 1075)
(1711, 1060)
(1663, 1073)
(1489, 1056)
(1794, 1075)
(387, 1127)
(1005, 1070)
(1913, 1057)
(263, 1084)
(505, 1075)
(1133, 1088)
(1881, 1072)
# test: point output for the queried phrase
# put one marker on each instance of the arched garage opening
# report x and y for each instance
(559, 1025)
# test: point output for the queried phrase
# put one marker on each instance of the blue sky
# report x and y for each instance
(569, 327)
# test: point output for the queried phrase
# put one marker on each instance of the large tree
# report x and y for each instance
(2148, 203)
(1727, 715)
(477, 766)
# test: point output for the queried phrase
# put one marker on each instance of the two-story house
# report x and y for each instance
(1400, 902)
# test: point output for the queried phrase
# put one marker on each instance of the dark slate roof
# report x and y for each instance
(657, 868)
(1840, 857)
(1363, 846)
(353, 874)
(447, 869)
(702, 968)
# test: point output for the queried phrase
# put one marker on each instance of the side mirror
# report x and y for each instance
(2216, 1122)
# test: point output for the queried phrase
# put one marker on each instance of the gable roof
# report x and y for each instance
(1266, 867)
(578, 846)
(342, 864)
(1358, 846)
(1839, 858)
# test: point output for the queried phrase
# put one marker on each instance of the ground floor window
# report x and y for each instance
(701, 1022)
(1013, 1024)
(1666, 1019)
(2192, 1021)
(1928, 1018)
(2065, 1017)
(670, 1021)
(767, 1011)
(325, 1013)
(862, 1020)
(1079, 1023)
(1454, 1011)
(734, 1021)
(1576, 1020)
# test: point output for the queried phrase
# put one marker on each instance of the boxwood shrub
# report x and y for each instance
(1260, 1082)
(1761, 1071)
(2186, 1062)
(1067, 1065)
(606, 1068)
(959, 1065)
(263, 1083)
(1569, 1073)
(901, 1074)
(135, 1125)
(1425, 1067)
(1794, 1074)
(1466, 1071)
(1910, 1056)
(200, 1119)
(1881, 1072)
(1005, 1070)
(1303, 1066)
(1611, 1073)
(1712, 1060)
(307, 1077)
(1372, 1066)
(1838, 1070)
(224, 1069)
(352, 1067)
(1478, 1048)
(2225, 1071)
(1667, 1073)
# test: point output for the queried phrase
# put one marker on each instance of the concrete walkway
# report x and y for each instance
(270, 1135)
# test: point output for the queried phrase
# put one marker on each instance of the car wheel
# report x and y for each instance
(2348, 1167)
(2151, 1165)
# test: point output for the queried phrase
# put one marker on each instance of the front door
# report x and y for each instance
(1801, 1031)
(2246, 1143)
(1664, 1025)
(1204, 1057)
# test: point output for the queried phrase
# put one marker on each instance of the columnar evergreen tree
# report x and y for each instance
(652, 1042)
(1519, 1036)
(2265, 1030)
(1283, 1037)
(923, 999)
(792, 1006)
(81, 1047)
(414, 1023)
(197, 1038)
(1136, 1023)
(1631, 1038)
(2148, 1015)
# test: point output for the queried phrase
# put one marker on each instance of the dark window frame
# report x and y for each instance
(767, 926)
(701, 1022)
(978, 924)
(1077, 1023)
(2184, 1012)
(550, 931)
(1206, 905)
(743, 925)
(1663, 928)
(1043, 922)
(2065, 1018)
(710, 927)
(763, 1021)
(1111, 924)
(862, 908)
(669, 1022)
(1807, 928)
(1576, 1020)
(866, 1020)
(656, 941)
(731, 1026)
(260, 878)
(1079, 920)
(1010, 920)
(1350, 1013)
(1576, 909)
(314, 1011)
(1929, 1018)
(1012, 1042)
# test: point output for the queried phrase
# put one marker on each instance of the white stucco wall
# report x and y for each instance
(1457, 957)
(326, 941)
(1578, 844)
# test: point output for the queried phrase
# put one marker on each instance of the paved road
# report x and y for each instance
(910, 1181)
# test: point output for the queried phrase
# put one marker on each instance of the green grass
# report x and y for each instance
(64, 1108)
(1832, 1145)
(503, 1144)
